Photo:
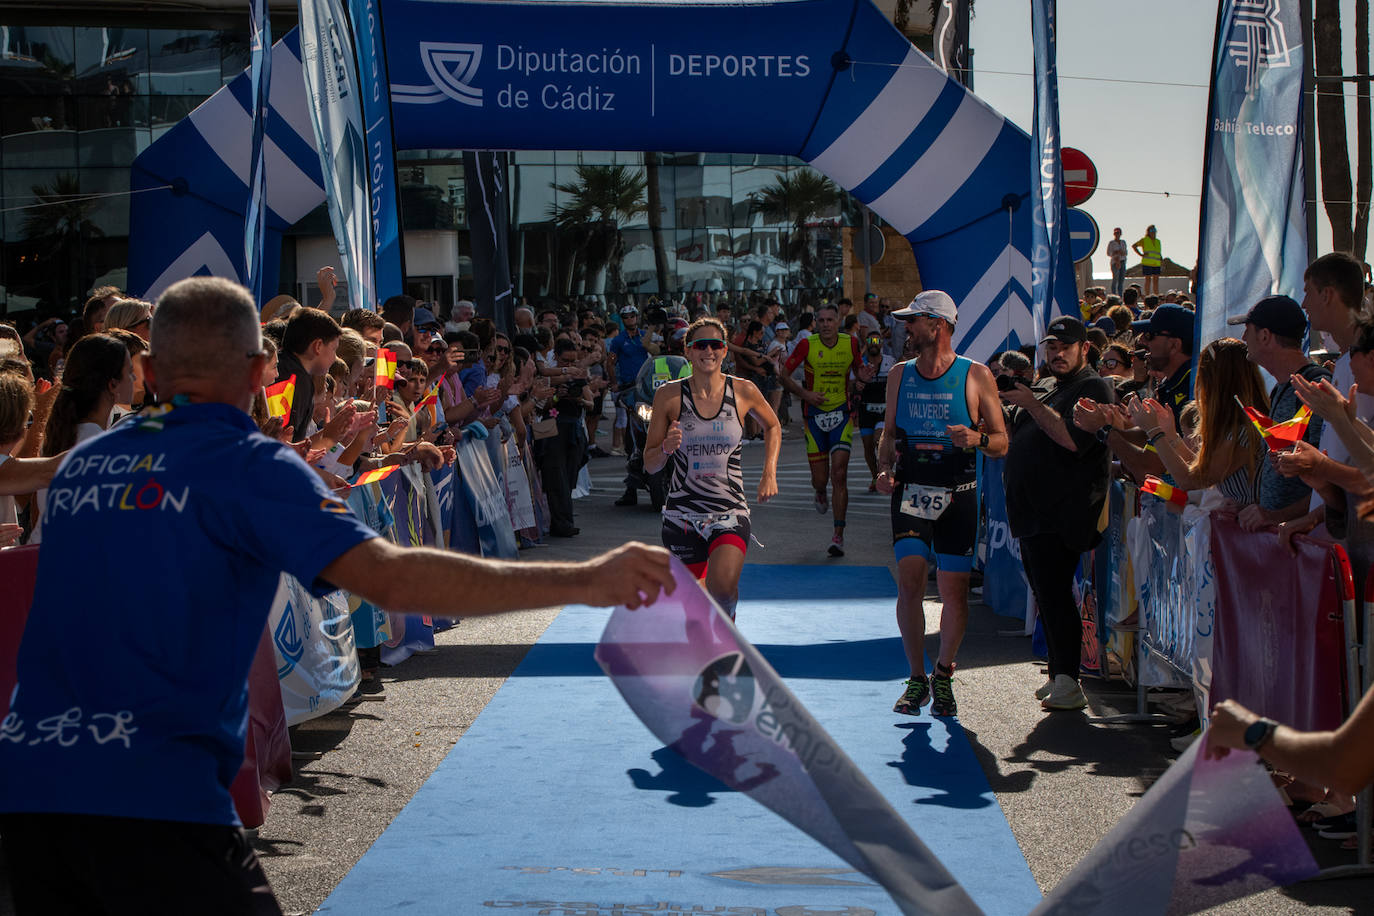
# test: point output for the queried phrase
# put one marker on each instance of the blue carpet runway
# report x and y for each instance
(557, 800)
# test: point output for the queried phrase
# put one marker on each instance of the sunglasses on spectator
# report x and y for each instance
(438, 348)
(1113, 363)
(503, 349)
(708, 343)
(1151, 335)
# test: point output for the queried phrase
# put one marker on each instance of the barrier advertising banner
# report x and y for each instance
(317, 663)
(1277, 624)
(481, 498)
(1253, 225)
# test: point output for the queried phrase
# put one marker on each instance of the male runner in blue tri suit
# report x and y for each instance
(940, 408)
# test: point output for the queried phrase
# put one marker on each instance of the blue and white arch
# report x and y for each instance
(829, 81)
(195, 226)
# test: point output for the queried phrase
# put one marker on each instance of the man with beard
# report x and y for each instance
(1167, 337)
(1056, 478)
(941, 409)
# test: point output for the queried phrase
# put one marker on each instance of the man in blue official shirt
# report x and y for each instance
(627, 349)
(127, 724)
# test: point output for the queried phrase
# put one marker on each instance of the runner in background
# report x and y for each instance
(698, 426)
(831, 359)
(871, 390)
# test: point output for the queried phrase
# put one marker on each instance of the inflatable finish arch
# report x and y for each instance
(829, 81)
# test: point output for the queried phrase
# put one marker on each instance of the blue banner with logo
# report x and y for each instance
(1253, 228)
(388, 260)
(336, 112)
(481, 498)
(1005, 588)
(255, 218)
(1053, 290)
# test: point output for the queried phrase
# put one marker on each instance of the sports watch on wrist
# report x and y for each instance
(983, 440)
(1259, 732)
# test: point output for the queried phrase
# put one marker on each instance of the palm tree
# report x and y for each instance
(59, 222)
(1332, 141)
(1364, 168)
(598, 202)
(797, 197)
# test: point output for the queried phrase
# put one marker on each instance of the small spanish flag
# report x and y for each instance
(375, 475)
(1167, 492)
(386, 369)
(279, 397)
(1280, 436)
(430, 404)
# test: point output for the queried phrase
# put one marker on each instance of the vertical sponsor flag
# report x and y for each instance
(951, 38)
(279, 397)
(331, 80)
(703, 690)
(255, 216)
(1049, 210)
(385, 369)
(1252, 228)
(484, 174)
(387, 253)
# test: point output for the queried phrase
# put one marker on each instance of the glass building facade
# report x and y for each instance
(79, 102)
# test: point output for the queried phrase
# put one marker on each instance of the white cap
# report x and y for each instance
(782, 326)
(931, 302)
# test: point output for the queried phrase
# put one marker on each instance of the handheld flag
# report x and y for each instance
(1279, 436)
(430, 404)
(386, 369)
(279, 397)
(375, 475)
(1167, 492)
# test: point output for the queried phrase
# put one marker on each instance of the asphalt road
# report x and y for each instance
(1062, 781)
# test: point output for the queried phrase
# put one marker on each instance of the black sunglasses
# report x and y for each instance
(503, 349)
(438, 348)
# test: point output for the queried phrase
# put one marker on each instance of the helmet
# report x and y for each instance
(677, 324)
(629, 310)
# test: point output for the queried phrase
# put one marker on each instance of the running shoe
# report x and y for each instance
(1066, 694)
(1045, 689)
(836, 548)
(822, 503)
(916, 695)
(942, 688)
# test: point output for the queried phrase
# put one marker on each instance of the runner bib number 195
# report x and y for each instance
(927, 503)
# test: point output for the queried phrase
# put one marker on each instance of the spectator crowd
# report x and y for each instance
(1121, 391)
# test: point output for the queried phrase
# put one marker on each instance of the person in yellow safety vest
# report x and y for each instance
(1151, 260)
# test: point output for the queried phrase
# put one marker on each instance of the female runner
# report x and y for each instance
(698, 425)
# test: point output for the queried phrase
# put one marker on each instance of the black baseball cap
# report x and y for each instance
(1066, 329)
(1169, 320)
(1280, 314)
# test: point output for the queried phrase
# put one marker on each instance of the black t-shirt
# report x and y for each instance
(1051, 490)
(1176, 391)
(569, 400)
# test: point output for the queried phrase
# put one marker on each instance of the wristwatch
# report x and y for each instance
(983, 441)
(1259, 732)
(1104, 434)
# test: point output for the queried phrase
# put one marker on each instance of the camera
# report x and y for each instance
(1007, 382)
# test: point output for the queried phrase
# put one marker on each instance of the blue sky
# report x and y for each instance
(1141, 137)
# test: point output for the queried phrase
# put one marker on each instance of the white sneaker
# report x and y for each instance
(1065, 694)
(1045, 689)
(1182, 742)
